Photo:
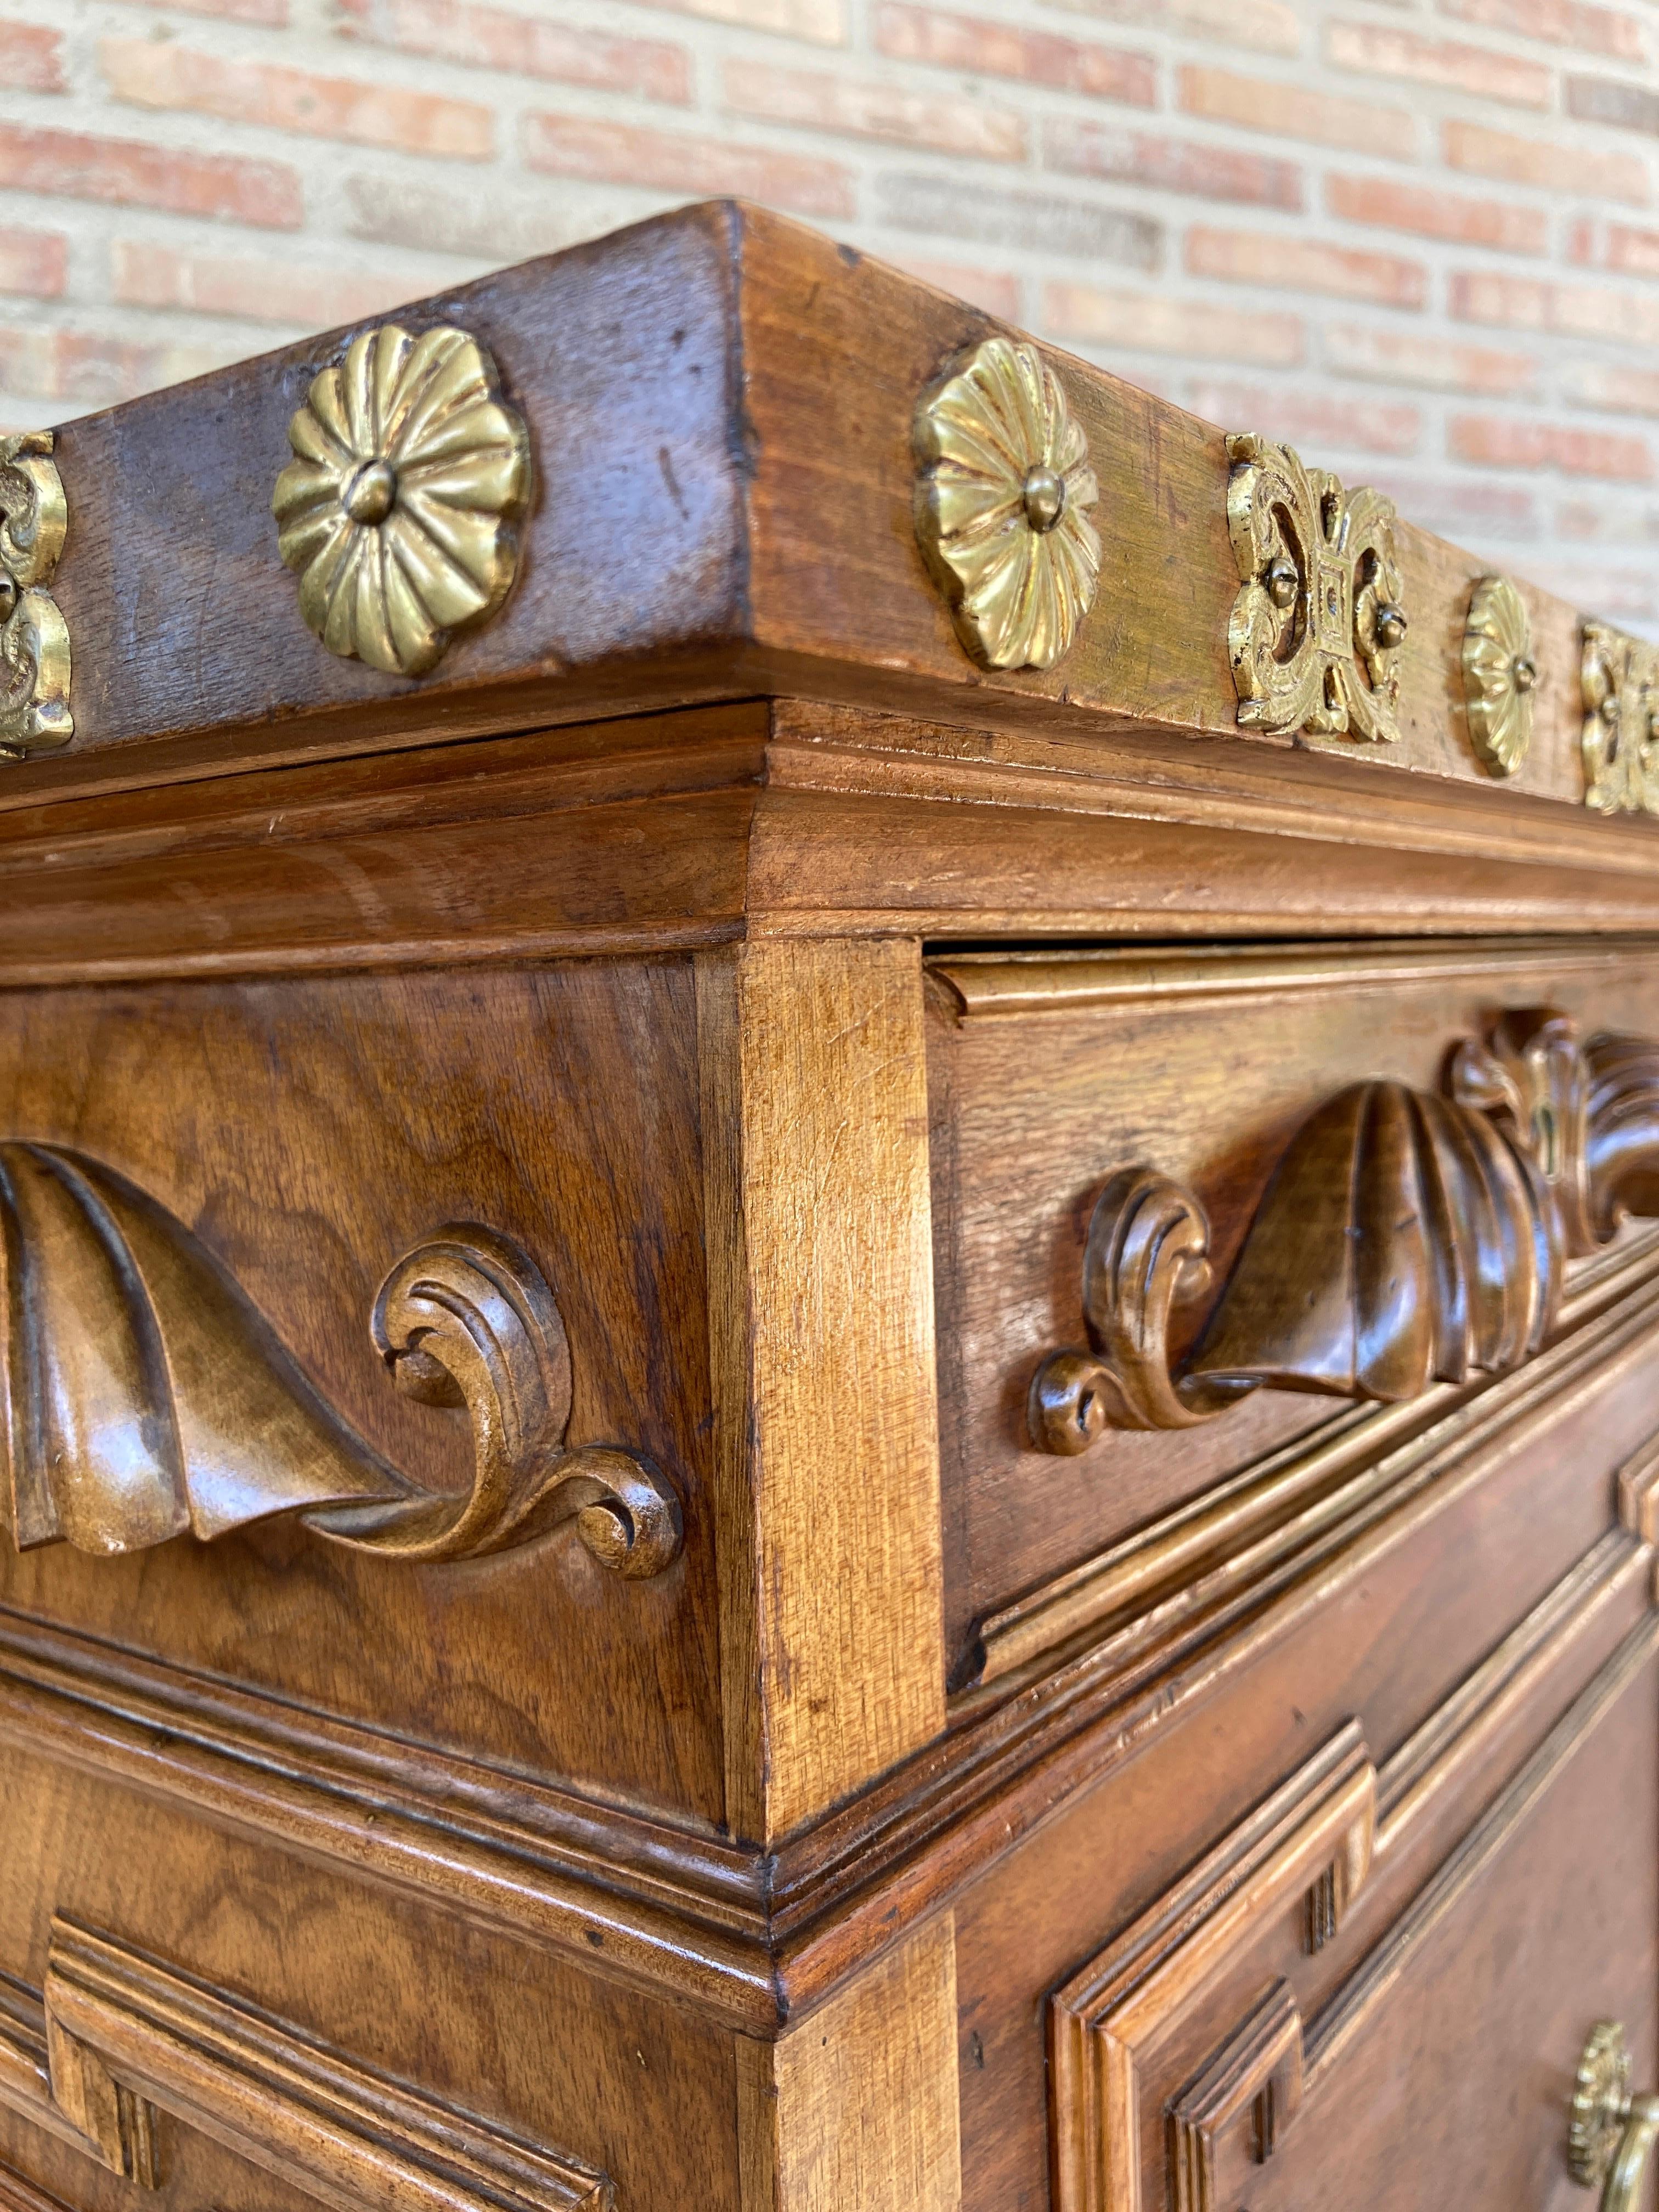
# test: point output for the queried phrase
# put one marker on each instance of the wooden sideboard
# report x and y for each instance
(830, 1169)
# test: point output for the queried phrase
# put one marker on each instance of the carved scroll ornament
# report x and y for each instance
(1317, 625)
(145, 1398)
(35, 640)
(1404, 1238)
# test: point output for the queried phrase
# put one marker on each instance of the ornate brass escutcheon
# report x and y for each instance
(1610, 2134)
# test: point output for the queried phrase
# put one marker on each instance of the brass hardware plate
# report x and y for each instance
(1618, 679)
(1317, 627)
(34, 640)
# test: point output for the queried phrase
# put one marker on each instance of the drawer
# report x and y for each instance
(1053, 1075)
(211, 1181)
(1292, 1952)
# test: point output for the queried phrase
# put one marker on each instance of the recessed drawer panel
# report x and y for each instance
(1273, 1206)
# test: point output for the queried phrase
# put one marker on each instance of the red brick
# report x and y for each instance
(1083, 148)
(1430, 212)
(1152, 322)
(1308, 418)
(1272, 27)
(1632, 252)
(1585, 310)
(1559, 22)
(1613, 102)
(149, 73)
(667, 161)
(32, 58)
(1248, 257)
(1575, 170)
(498, 38)
(73, 165)
(1505, 442)
(1379, 50)
(823, 21)
(1461, 508)
(33, 264)
(1022, 221)
(1358, 126)
(1397, 356)
(996, 290)
(261, 291)
(987, 49)
(1620, 391)
(271, 13)
(860, 107)
(90, 368)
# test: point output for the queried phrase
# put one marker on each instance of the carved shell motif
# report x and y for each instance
(145, 1398)
(1405, 1238)
(400, 508)
(1001, 505)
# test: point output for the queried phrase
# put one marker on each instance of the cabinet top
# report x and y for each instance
(717, 456)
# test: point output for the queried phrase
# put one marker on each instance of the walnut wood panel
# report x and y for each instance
(1050, 1074)
(351, 2025)
(309, 1133)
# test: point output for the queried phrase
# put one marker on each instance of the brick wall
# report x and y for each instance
(1419, 238)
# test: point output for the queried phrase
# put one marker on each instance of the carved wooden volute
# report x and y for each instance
(145, 1397)
(1405, 1238)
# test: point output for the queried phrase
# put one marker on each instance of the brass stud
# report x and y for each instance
(1283, 581)
(1391, 625)
(1524, 673)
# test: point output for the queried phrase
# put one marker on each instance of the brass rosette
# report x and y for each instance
(1001, 505)
(400, 510)
(1500, 676)
(1618, 685)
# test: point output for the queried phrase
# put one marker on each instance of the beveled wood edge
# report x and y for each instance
(752, 1940)
(1236, 1532)
(119, 2036)
(1128, 1993)
(1343, 2017)
(1008, 985)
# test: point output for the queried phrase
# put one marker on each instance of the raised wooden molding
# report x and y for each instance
(130, 2039)
(145, 1397)
(1313, 1836)
(1217, 1554)
(1405, 1238)
(1254, 2080)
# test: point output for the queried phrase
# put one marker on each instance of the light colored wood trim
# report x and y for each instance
(822, 1350)
(1313, 1835)
(1244, 1530)
(1344, 2020)
(988, 985)
(857, 2109)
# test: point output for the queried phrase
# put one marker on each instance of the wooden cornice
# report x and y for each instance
(720, 407)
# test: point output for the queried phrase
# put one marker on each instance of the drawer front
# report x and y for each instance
(1296, 1948)
(1288, 1111)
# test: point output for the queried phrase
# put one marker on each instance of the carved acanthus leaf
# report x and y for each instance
(1404, 1238)
(146, 1398)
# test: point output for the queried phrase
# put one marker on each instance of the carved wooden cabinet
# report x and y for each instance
(829, 1172)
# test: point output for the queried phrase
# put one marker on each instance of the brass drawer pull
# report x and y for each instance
(1611, 2134)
